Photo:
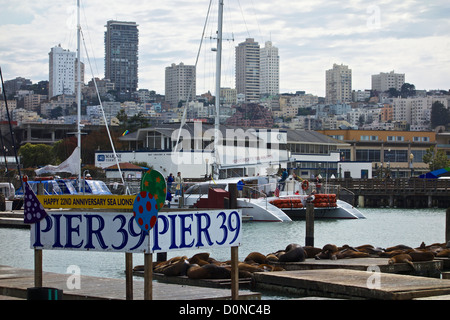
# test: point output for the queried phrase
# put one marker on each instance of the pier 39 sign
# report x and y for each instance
(118, 231)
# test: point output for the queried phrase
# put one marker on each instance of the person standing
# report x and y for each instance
(240, 187)
(178, 184)
(170, 181)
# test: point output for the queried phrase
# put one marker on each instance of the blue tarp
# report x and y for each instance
(435, 174)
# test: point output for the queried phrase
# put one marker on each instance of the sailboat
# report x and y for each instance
(264, 201)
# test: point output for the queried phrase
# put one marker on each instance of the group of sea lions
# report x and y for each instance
(202, 266)
(396, 254)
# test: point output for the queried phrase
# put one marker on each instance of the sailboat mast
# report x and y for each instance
(78, 84)
(218, 77)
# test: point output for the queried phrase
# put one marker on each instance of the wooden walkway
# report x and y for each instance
(351, 284)
(14, 283)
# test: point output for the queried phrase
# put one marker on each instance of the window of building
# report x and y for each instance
(368, 155)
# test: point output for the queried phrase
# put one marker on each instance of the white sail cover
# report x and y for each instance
(71, 165)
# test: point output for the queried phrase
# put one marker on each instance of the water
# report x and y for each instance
(382, 228)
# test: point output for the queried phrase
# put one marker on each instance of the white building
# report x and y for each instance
(384, 81)
(63, 72)
(180, 83)
(338, 87)
(270, 70)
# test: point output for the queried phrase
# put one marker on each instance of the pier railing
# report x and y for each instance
(412, 186)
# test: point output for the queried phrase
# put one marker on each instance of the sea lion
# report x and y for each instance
(327, 252)
(249, 268)
(311, 251)
(256, 257)
(398, 247)
(196, 272)
(208, 271)
(368, 248)
(390, 254)
(418, 255)
(296, 254)
(272, 257)
(159, 267)
(200, 258)
(176, 269)
(402, 258)
(349, 253)
(443, 253)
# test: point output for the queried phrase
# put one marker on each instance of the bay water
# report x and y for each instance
(382, 228)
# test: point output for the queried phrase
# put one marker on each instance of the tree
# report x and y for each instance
(440, 116)
(408, 90)
(393, 93)
(36, 155)
(436, 159)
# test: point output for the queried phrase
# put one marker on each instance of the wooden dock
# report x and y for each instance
(428, 268)
(351, 284)
(14, 283)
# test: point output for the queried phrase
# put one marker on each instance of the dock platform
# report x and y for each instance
(14, 283)
(351, 284)
(428, 268)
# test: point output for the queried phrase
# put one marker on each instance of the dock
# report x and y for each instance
(427, 268)
(14, 283)
(352, 284)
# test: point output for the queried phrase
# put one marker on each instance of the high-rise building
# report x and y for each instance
(62, 72)
(338, 84)
(270, 70)
(121, 55)
(248, 70)
(180, 83)
(384, 81)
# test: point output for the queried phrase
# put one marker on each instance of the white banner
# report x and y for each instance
(118, 231)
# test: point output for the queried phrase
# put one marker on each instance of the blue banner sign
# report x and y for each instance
(118, 231)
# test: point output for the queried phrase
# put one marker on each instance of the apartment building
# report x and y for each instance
(180, 83)
(384, 81)
(338, 85)
(270, 70)
(248, 70)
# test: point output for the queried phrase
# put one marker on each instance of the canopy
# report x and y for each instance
(436, 174)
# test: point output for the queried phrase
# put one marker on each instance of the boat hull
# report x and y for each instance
(342, 211)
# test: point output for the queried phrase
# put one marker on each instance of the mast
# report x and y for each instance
(218, 76)
(78, 85)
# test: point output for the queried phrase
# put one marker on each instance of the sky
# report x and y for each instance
(410, 37)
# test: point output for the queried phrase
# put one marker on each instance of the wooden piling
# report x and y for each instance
(234, 273)
(148, 276)
(309, 237)
(232, 189)
(129, 276)
(447, 225)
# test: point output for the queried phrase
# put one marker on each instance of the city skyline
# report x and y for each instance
(410, 37)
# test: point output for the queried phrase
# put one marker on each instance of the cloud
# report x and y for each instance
(409, 37)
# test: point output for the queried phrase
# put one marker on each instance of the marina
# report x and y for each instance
(383, 227)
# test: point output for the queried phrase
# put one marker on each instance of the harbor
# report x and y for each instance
(383, 227)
